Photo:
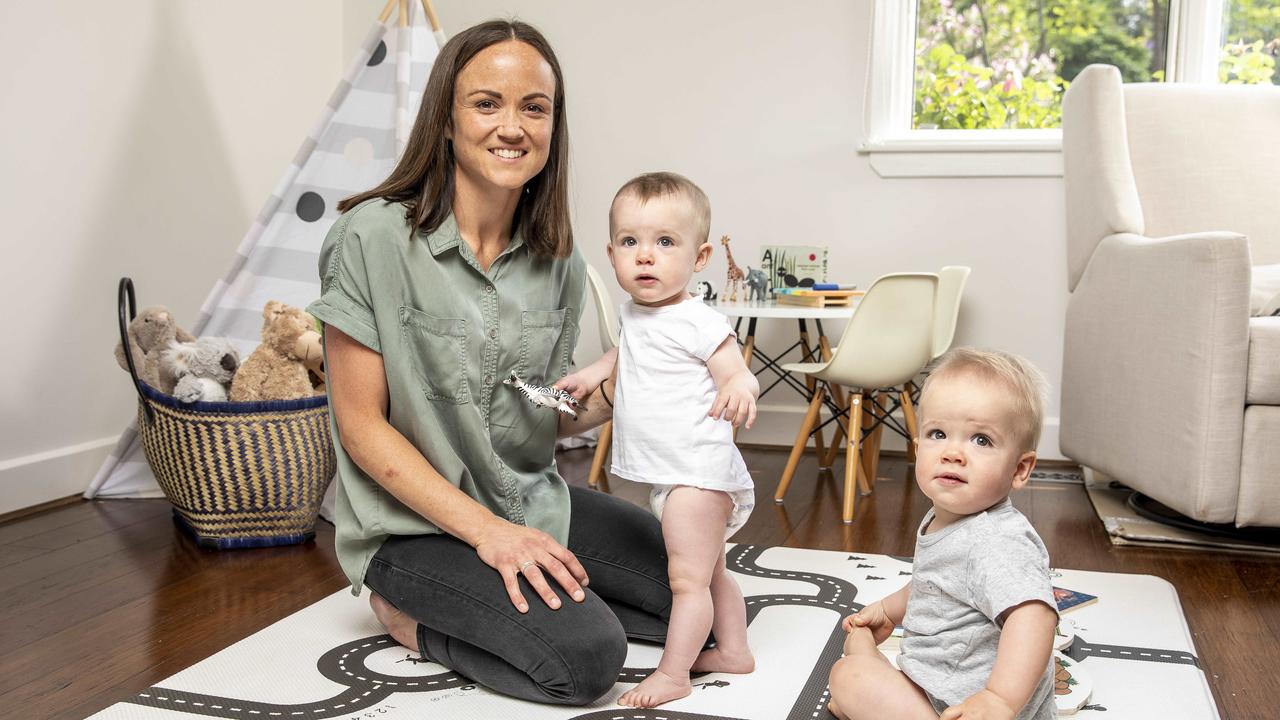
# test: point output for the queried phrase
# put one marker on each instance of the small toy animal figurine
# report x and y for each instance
(756, 284)
(702, 289)
(545, 396)
(735, 273)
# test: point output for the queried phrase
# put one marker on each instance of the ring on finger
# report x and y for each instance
(525, 565)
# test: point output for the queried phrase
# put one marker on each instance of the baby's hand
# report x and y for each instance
(580, 384)
(982, 705)
(736, 401)
(873, 618)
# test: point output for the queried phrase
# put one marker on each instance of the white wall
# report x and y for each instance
(761, 103)
(140, 137)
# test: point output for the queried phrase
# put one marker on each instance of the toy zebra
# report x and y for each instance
(545, 396)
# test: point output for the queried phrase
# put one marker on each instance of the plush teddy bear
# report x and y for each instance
(204, 368)
(276, 370)
(150, 334)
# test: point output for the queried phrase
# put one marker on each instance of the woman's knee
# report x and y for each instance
(590, 662)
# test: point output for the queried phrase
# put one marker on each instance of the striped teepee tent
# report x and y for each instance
(353, 146)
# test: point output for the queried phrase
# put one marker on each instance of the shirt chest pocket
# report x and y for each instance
(540, 331)
(438, 350)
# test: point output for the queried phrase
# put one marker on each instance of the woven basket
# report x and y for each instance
(249, 474)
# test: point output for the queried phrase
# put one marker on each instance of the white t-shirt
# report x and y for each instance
(661, 432)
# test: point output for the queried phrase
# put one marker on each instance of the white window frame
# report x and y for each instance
(897, 150)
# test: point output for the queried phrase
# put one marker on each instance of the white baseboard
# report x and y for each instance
(35, 479)
(778, 424)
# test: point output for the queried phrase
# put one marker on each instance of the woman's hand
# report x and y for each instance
(874, 618)
(515, 550)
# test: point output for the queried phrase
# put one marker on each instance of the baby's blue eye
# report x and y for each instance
(666, 242)
(627, 242)
(936, 435)
(982, 440)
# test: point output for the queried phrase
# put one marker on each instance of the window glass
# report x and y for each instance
(1004, 64)
(1250, 42)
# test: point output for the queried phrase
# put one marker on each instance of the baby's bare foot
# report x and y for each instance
(654, 690)
(402, 628)
(835, 710)
(718, 660)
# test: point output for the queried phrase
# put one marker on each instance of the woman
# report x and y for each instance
(456, 271)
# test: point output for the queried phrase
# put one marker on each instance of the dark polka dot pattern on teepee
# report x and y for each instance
(378, 55)
(310, 206)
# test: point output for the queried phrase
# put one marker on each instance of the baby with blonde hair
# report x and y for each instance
(978, 614)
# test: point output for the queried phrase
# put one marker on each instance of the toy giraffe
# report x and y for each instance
(735, 275)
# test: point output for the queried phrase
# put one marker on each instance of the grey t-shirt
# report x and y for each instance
(963, 577)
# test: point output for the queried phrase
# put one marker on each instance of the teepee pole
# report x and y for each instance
(435, 23)
(386, 11)
(404, 77)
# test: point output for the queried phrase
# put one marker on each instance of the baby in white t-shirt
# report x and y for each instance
(677, 377)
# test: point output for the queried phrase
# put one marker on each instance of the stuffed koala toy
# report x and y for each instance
(150, 334)
(204, 368)
(277, 370)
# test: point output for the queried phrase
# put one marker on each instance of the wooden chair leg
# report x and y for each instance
(909, 413)
(802, 439)
(871, 448)
(852, 461)
(812, 384)
(598, 478)
(838, 434)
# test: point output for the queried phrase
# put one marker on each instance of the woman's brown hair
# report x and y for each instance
(423, 179)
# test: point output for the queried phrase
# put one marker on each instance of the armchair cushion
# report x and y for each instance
(1263, 386)
(1264, 289)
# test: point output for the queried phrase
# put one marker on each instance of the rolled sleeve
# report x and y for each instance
(345, 301)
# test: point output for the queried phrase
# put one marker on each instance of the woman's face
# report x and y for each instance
(502, 116)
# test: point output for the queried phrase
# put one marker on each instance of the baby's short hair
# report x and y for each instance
(656, 184)
(1023, 380)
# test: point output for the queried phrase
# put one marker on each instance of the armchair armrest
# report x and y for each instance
(1154, 367)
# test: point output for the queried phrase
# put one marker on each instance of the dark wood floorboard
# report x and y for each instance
(100, 600)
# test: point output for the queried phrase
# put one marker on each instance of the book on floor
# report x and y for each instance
(1071, 599)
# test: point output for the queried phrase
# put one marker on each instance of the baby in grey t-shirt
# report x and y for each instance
(979, 615)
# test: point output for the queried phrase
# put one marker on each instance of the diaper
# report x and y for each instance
(744, 501)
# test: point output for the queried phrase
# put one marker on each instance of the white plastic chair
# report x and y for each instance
(946, 310)
(607, 321)
(951, 282)
(888, 341)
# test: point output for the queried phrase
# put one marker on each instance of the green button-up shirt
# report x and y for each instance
(448, 333)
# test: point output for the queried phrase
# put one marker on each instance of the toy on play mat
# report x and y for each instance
(545, 396)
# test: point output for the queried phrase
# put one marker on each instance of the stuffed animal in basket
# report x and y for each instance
(204, 368)
(276, 371)
(150, 334)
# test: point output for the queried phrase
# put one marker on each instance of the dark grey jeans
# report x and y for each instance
(569, 656)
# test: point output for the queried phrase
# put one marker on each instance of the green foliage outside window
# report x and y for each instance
(1252, 30)
(993, 64)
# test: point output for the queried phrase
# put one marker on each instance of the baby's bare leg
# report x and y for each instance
(693, 523)
(864, 684)
(731, 653)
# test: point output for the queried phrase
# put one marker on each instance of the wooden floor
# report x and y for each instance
(99, 600)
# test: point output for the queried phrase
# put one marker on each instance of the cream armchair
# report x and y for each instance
(1168, 385)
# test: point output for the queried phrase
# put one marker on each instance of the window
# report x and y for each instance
(1250, 42)
(974, 87)
(983, 65)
